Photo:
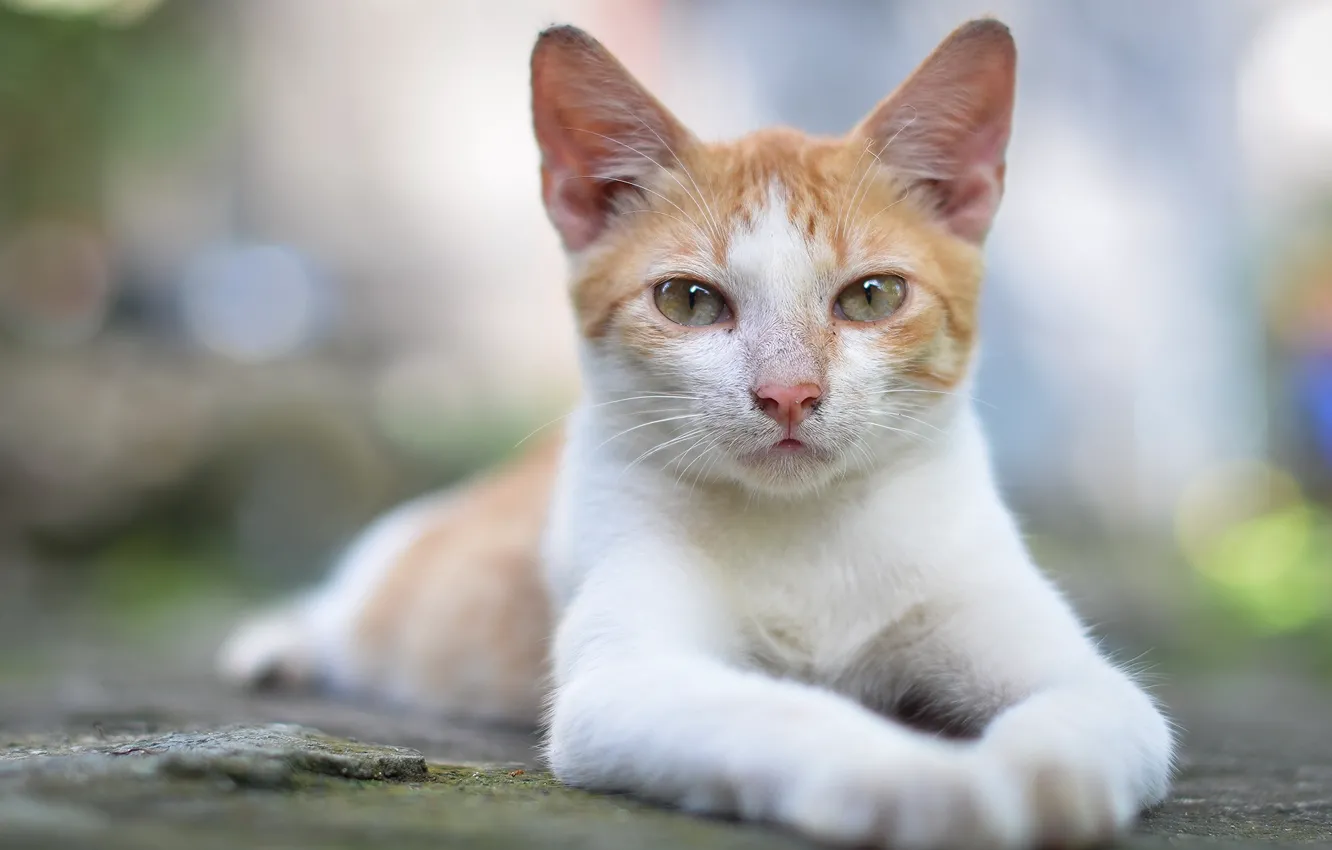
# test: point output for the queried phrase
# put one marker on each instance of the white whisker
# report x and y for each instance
(561, 418)
(885, 146)
(646, 424)
(663, 445)
(851, 214)
(703, 471)
(846, 201)
(633, 149)
(706, 448)
(899, 431)
(697, 196)
(901, 415)
(937, 392)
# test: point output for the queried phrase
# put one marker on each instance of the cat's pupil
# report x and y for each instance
(870, 286)
(693, 296)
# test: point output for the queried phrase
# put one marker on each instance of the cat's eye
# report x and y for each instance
(688, 302)
(872, 298)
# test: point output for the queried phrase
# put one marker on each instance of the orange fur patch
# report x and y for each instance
(463, 613)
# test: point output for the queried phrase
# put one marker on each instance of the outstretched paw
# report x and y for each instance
(1073, 804)
(937, 798)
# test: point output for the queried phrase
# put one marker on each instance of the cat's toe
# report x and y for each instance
(1074, 805)
(933, 800)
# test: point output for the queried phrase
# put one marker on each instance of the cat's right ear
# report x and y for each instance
(600, 132)
(946, 128)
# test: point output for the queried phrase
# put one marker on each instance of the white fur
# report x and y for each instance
(720, 644)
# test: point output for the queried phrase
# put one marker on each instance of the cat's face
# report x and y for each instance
(780, 310)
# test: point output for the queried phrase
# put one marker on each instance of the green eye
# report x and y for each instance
(872, 299)
(688, 302)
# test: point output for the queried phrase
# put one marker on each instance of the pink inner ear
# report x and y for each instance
(952, 145)
(593, 123)
(573, 210)
(972, 197)
(570, 195)
(972, 201)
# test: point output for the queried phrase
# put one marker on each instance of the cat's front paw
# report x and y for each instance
(935, 798)
(1071, 802)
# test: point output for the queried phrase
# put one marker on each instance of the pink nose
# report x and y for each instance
(788, 406)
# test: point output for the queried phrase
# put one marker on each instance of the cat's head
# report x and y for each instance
(782, 309)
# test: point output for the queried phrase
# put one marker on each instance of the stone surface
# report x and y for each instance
(278, 786)
(273, 756)
(176, 761)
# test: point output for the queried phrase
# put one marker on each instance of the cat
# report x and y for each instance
(768, 556)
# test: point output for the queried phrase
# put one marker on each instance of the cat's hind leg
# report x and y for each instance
(307, 641)
(438, 605)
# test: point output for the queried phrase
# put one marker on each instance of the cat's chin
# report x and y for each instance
(788, 469)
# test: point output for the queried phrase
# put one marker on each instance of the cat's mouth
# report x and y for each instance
(787, 450)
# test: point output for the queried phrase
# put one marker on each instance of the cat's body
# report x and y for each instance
(774, 548)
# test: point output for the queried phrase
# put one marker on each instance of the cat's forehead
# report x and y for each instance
(810, 172)
(785, 205)
(775, 246)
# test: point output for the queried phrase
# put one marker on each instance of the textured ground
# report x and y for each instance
(170, 760)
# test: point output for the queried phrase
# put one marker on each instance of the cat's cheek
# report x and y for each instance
(924, 348)
(645, 340)
(856, 371)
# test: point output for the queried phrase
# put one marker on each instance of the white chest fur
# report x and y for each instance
(800, 587)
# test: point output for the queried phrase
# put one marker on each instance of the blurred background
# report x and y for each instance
(269, 266)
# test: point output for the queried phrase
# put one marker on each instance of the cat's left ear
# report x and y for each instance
(944, 131)
(600, 132)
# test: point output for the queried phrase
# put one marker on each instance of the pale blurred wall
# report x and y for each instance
(394, 140)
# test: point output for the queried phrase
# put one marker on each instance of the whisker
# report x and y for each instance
(937, 392)
(901, 415)
(652, 412)
(859, 183)
(660, 212)
(706, 448)
(646, 424)
(648, 396)
(541, 428)
(899, 431)
(613, 179)
(887, 207)
(633, 149)
(702, 442)
(677, 477)
(882, 148)
(697, 227)
(841, 214)
(685, 436)
(865, 460)
(703, 470)
(697, 196)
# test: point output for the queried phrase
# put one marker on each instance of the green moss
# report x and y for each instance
(477, 778)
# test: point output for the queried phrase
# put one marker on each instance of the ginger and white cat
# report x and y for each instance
(779, 575)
